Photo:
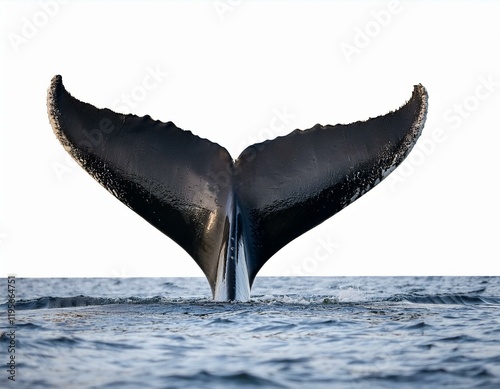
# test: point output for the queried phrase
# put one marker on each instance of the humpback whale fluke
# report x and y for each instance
(232, 216)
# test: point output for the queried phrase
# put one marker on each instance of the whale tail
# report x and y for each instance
(232, 216)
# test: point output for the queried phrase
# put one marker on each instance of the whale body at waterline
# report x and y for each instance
(229, 215)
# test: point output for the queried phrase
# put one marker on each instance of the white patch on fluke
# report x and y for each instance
(242, 283)
(220, 293)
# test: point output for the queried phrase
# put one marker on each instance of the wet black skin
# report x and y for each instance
(191, 189)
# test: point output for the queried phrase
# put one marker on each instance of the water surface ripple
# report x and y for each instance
(300, 332)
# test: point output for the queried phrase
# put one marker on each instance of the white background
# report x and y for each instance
(223, 70)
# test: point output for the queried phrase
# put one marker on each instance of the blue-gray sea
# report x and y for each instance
(296, 332)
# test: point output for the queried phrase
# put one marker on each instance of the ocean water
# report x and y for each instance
(298, 332)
